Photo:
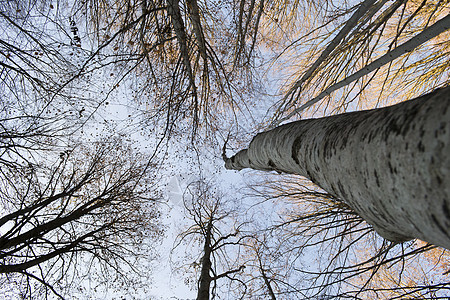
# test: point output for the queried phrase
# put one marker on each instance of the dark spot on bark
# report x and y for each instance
(421, 147)
(295, 147)
(408, 118)
(310, 176)
(271, 164)
(326, 149)
(316, 167)
(406, 146)
(394, 127)
(422, 132)
(376, 177)
(446, 210)
(341, 190)
(364, 136)
(372, 135)
(344, 140)
(439, 180)
(391, 169)
(368, 136)
(233, 159)
(249, 162)
(445, 231)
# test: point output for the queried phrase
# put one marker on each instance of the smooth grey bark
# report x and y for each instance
(390, 165)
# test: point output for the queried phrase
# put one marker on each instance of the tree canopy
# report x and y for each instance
(103, 102)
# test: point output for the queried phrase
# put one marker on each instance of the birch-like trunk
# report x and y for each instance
(390, 165)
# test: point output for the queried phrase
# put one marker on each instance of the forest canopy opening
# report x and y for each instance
(114, 116)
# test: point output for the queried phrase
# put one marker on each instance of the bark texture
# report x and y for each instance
(391, 165)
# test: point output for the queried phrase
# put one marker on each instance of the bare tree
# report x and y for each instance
(322, 68)
(69, 206)
(372, 44)
(205, 207)
(89, 202)
(184, 66)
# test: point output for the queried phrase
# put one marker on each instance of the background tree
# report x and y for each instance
(84, 209)
(181, 64)
(72, 207)
(363, 35)
(217, 260)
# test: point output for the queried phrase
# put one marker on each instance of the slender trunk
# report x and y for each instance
(194, 15)
(174, 12)
(391, 165)
(266, 280)
(269, 287)
(205, 276)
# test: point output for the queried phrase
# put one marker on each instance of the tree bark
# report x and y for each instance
(390, 165)
(194, 15)
(173, 10)
(205, 277)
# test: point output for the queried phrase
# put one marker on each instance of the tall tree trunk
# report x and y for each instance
(391, 165)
